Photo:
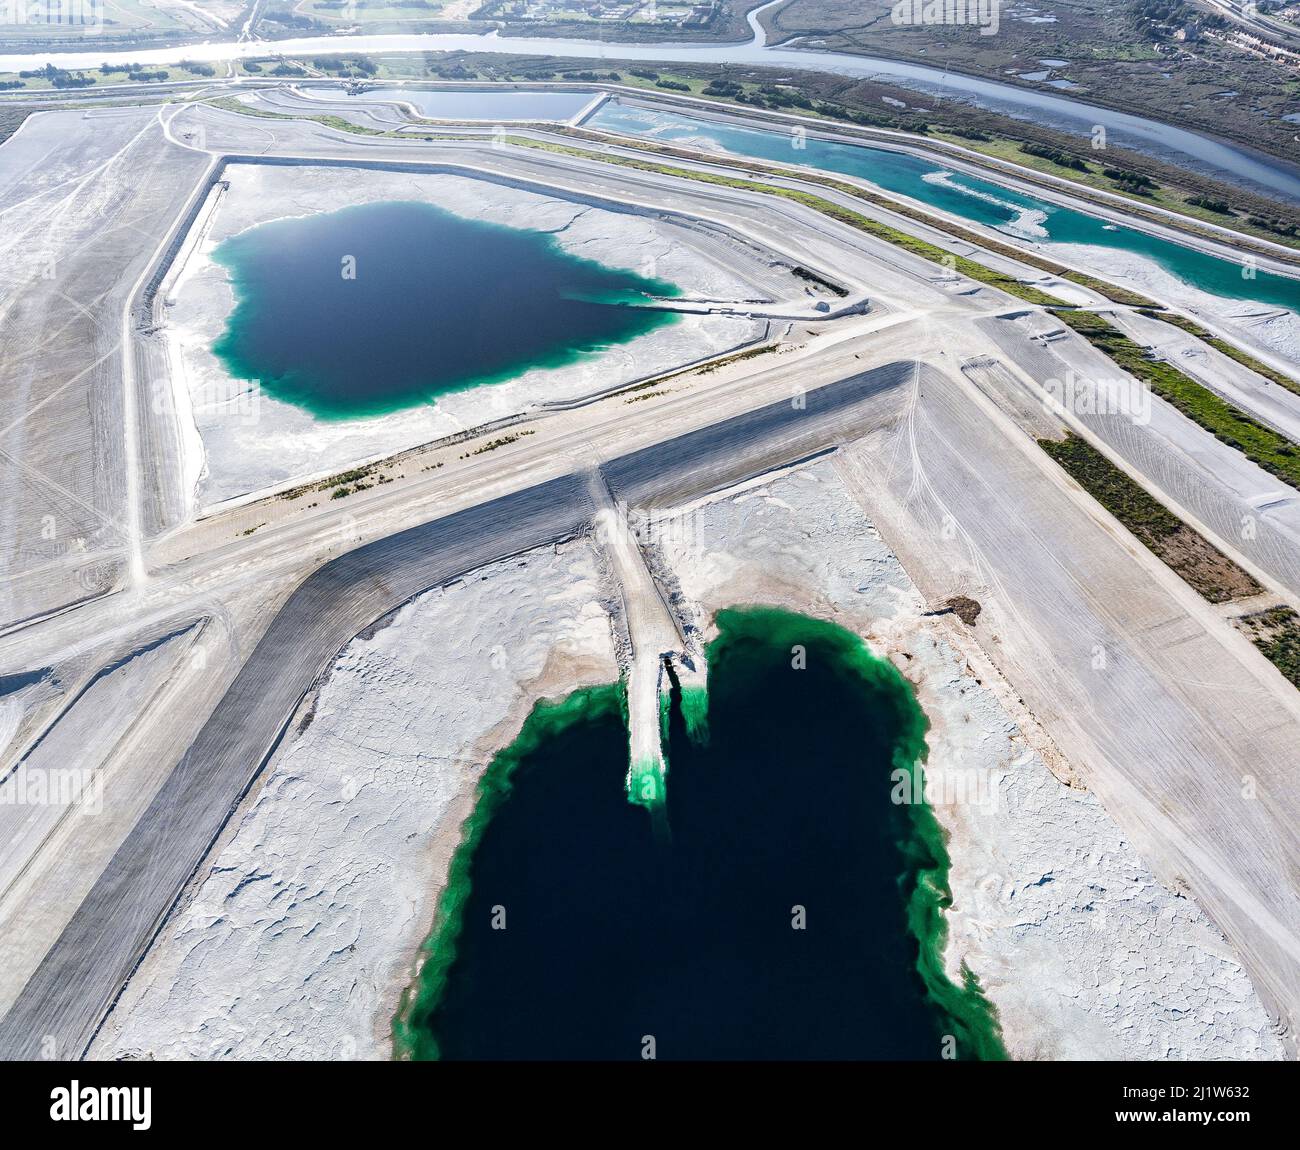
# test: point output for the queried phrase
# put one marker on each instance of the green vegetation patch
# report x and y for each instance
(1116, 294)
(230, 104)
(503, 441)
(1276, 632)
(1189, 555)
(1260, 444)
(1232, 352)
(913, 244)
(1055, 155)
(922, 248)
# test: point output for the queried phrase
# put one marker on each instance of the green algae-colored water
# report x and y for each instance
(964, 196)
(384, 306)
(792, 910)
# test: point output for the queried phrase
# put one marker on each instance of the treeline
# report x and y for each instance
(1132, 182)
(1277, 227)
(355, 66)
(63, 78)
(58, 77)
(775, 98)
(1210, 204)
(283, 68)
(1063, 159)
(1156, 19)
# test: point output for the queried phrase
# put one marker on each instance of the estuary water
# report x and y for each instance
(970, 198)
(383, 306)
(1216, 157)
(791, 909)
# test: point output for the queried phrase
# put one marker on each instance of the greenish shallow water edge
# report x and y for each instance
(571, 928)
(379, 307)
(547, 721)
(967, 197)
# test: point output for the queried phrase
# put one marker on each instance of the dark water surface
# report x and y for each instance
(613, 933)
(383, 306)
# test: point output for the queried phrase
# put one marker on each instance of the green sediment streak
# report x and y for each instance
(695, 713)
(307, 382)
(647, 785)
(694, 705)
(972, 1018)
(975, 1027)
(647, 782)
(963, 1010)
(411, 1041)
(862, 223)
(882, 231)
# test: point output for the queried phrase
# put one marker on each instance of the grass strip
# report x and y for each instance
(1188, 554)
(1260, 444)
(922, 248)
(1242, 357)
(862, 223)
(1276, 632)
(1110, 291)
(230, 104)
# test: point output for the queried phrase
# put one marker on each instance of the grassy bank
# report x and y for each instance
(1190, 556)
(861, 222)
(1109, 291)
(230, 104)
(874, 104)
(1276, 632)
(1242, 357)
(11, 119)
(1260, 444)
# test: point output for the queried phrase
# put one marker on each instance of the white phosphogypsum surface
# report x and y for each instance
(1081, 950)
(252, 441)
(1272, 328)
(653, 636)
(298, 936)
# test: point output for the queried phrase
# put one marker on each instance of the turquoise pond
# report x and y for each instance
(979, 201)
